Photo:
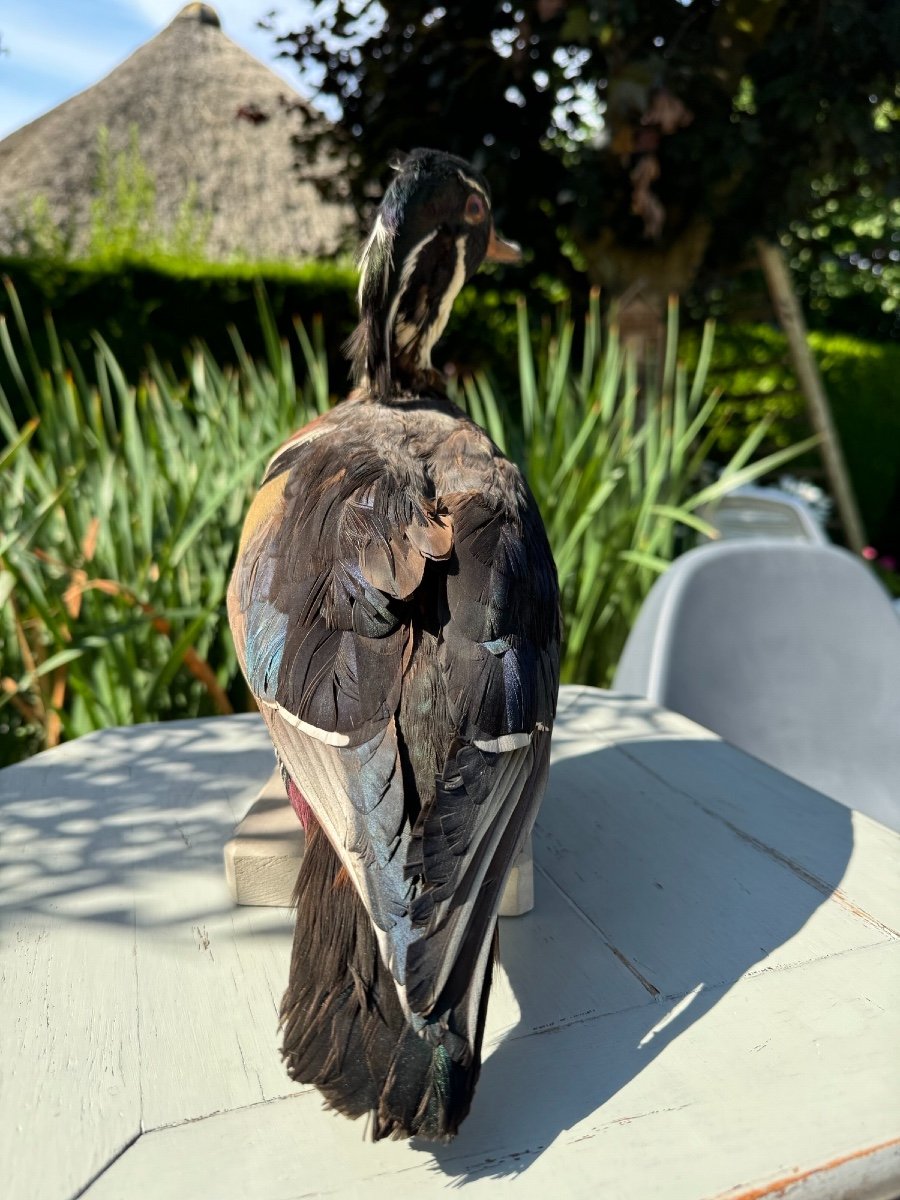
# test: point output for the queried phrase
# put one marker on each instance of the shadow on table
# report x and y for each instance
(81, 825)
(679, 880)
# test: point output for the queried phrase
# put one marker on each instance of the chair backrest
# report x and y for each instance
(789, 651)
(764, 513)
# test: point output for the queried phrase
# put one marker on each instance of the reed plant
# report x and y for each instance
(121, 502)
(120, 505)
(616, 453)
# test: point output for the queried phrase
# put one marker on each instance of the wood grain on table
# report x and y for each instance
(701, 1005)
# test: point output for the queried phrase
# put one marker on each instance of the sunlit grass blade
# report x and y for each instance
(20, 440)
(749, 474)
(527, 380)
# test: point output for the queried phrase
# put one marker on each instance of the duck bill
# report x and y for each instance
(501, 251)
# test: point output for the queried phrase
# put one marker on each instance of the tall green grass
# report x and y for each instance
(617, 460)
(121, 502)
(120, 505)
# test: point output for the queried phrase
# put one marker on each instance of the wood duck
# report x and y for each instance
(395, 610)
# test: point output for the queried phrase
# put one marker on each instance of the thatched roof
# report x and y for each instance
(210, 118)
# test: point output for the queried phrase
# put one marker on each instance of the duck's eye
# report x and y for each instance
(476, 209)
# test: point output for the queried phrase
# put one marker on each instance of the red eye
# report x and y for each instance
(476, 209)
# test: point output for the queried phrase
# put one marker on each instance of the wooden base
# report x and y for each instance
(263, 857)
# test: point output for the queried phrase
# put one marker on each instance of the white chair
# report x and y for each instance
(789, 651)
(760, 512)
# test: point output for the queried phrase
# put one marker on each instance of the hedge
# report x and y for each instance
(140, 305)
(167, 306)
(752, 365)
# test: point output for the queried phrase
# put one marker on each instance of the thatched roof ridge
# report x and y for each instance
(208, 115)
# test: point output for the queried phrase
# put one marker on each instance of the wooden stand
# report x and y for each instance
(263, 857)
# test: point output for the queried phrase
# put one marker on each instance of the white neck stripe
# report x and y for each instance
(472, 184)
(437, 327)
(380, 234)
(406, 274)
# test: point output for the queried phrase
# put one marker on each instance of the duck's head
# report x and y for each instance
(433, 231)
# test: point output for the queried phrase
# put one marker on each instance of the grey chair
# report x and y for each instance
(764, 512)
(790, 652)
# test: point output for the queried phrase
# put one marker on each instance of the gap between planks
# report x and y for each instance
(626, 962)
(825, 889)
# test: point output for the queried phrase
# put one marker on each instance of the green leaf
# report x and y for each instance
(651, 561)
(175, 658)
(213, 502)
(27, 531)
(50, 664)
(8, 453)
(681, 516)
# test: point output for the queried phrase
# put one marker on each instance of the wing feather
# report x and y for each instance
(346, 574)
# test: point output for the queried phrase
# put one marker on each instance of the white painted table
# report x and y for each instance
(704, 1003)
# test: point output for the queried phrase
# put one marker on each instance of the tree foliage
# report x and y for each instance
(636, 140)
(845, 252)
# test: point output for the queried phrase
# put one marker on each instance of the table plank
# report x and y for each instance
(810, 829)
(98, 840)
(704, 903)
(217, 980)
(583, 1113)
(555, 969)
(682, 826)
(145, 1001)
(784, 816)
(68, 1052)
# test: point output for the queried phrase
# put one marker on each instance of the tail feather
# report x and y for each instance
(343, 1025)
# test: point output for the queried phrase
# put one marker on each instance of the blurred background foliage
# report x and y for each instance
(122, 500)
(164, 308)
(639, 141)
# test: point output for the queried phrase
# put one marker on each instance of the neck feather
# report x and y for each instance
(404, 308)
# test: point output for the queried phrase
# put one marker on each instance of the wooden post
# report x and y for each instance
(790, 317)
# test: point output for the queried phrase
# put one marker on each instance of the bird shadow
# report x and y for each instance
(665, 870)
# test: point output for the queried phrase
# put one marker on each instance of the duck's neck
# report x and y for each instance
(404, 309)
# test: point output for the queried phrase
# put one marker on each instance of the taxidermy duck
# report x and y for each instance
(395, 611)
